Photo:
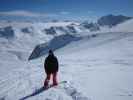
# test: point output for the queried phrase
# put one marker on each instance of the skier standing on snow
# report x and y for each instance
(51, 68)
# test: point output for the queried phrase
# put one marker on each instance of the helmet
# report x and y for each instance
(50, 52)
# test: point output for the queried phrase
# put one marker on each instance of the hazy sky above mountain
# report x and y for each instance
(64, 9)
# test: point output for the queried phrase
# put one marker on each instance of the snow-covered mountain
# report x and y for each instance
(107, 21)
(90, 26)
(10, 29)
(91, 59)
(112, 20)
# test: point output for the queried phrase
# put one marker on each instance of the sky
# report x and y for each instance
(64, 9)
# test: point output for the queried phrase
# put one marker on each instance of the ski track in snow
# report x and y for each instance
(74, 93)
(67, 88)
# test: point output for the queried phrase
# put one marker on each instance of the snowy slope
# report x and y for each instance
(102, 67)
(97, 67)
(123, 27)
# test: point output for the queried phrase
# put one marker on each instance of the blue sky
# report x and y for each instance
(65, 9)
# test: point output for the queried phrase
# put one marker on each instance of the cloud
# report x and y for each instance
(24, 13)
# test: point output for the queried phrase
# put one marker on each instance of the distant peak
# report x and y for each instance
(112, 20)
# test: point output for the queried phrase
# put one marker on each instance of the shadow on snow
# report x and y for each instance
(38, 91)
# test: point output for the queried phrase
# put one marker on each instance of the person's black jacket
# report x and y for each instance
(51, 64)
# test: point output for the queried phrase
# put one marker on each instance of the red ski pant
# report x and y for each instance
(48, 77)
